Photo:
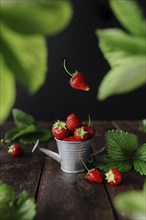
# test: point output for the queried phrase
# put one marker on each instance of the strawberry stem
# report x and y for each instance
(84, 163)
(89, 122)
(64, 64)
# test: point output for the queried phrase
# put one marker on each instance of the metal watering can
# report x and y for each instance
(70, 154)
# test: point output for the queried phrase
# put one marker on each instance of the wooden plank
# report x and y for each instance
(69, 196)
(131, 180)
(22, 172)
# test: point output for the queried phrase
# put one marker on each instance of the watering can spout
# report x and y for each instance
(49, 153)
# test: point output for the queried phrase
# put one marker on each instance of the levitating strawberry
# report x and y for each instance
(77, 80)
(70, 138)
(89, 128)
(59, 130)
(15, 150)
(73, 122)
(80, 134)
(113, 176)
(94, 176)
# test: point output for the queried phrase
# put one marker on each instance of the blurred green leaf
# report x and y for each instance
(7, 89)
(130, 16)
(23, 26)
(26, 56)
(124, 78)
(125, 53)
(132, 204)
(36, 17)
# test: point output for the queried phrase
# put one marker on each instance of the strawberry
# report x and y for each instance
(59, 130)
(94, 175)
(77, 80)
(113, 176)
(80, 134)
(89, 128)
(73, 122)
(70, 138)
(15, 150)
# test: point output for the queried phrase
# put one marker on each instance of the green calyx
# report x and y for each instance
(81, 132)
(60, 124)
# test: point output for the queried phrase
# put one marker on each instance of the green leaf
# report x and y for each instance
(132, 204)
(123, 78)
(105, 163)
(21, 207)
(141, 153)
(121, 146)
(114, 39)
(7, 90)
(43, 135)
(22, 119)
(47, 17)
(25, 206)
(140, 166)
(130, 15)
(16, 133)
(26, 56)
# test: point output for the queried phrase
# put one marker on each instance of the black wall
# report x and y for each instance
(79, 45)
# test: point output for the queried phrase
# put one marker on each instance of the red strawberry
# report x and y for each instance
(89, 128)
(70, 138)
(113, 176)
(94, 176)
(59, 130)
(15, 150)
(73, 122)
(80, 134)
(77, 80)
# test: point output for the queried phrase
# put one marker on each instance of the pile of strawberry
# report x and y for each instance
(73, 129)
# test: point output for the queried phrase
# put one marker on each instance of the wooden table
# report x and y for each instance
(62, 196)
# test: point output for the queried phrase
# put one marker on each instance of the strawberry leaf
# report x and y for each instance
(16, 133)
(141, 153)
(121, 145)
(105, 163)
(22, 119)
(43, 135)
(140, 160)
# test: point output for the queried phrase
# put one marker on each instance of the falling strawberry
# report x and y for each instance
(15, 150)
(59, 130)
(89, 128)
(80, 134)
(70, 138)
(73, 122)
(94, 176)
(77, 80)
(113, 176)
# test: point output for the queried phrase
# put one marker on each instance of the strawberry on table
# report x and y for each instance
(89, 128)
(59, 130)
(113, 176)
(77, 80)
(73, 122)
(94, 175)
(80, 134)
(15, 150)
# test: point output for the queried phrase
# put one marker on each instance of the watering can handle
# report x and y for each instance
(90, 158)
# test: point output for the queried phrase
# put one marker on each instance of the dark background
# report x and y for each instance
(79, 45)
